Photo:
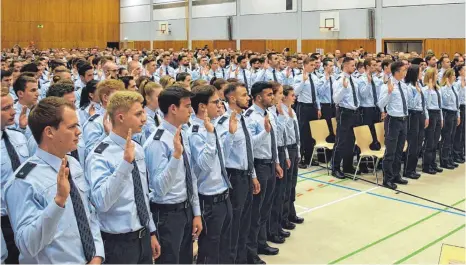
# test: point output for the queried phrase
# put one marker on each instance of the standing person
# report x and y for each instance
(459, 146)
(239, 163)
(308, 109)
(50, 227)
(325, 95)
(432, 132)
(150, 91)
(451, 118)
(174, 197)
(346, 96)
(395, 97)
(418, 120)
(267, 165)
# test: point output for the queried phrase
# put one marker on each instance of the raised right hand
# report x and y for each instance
(233, 126)
(390, 86)
(23, 118)
(129, 153)
(177, 144)
(345, 82)
(267, 124)
(107, 124)
(63, 184)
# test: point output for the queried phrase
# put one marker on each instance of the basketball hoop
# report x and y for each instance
(326, 29)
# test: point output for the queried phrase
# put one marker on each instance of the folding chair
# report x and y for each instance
(319, 132)
(334, 125)
(363, 140)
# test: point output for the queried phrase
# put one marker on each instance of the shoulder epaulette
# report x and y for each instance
(195, 128)
(102, 146)
(338, 77)
(222, 119)
(25, 170)
(93, 117)
(248, 112)
(158, 134)
(14, 129)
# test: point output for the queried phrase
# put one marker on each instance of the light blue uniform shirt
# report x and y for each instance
(393, 101)
(449, 99)
(112, 186)
(461, 92)
(432, 100)
(342, 96)
(280, 133)
(303, 89)
(240, 77)
(289, 126)
(167, 175)
(323, 90)
(267, 75)
(365, 91)
(150, 125)
(197, 74)
(205, 160)
(13, 94)
(83, 113)
(18, 108)
(261, 139)
(416, 100)
(45, 232)
(171, 71)
(234, 145)
(78, 87)
(19, 142)
(183, 69)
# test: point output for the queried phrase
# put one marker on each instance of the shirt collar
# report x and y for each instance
(118, 139)
(52, 160)
(198, 121)
(169, 127)
(149, 112)
(258, 109)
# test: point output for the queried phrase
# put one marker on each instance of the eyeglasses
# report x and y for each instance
(216, 102)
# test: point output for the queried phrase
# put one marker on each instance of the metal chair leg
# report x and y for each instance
(375, 169)
(326, 163)
(357, 168)
(312, 157)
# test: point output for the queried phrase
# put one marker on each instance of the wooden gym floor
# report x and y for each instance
(356, 222)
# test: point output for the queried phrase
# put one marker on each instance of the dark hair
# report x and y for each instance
(55, 63)
(258, 87)
(368, 62)
(347, 60)
(230, 88)
(22, 80)
(96, 60)
(287, 89)
(386, 63)
(429, 57)
(89, 88)
(201, 95)
(48, 112)
(458, 69)
(60, 89)
(182, 76)
(147, 60)
(232, 80)
(254, 60)
(417, 61)
(83, 68)
(360, 65)
(30, 67)
(172, 96)
(412, 75)
(126, 80)
(6, 73)
(240, 58)
(219, 82)
(326, 61)
(270, 54)
(396, 66)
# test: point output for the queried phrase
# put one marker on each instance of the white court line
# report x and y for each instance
(333, 202)
(302, 207)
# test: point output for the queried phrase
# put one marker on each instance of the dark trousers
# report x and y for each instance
(261, 206)
(448, 131)
(127, 248)
(291, 181)
(13, 252)
(432, 133)
(344, 144)
(214, 241)
(416, 121)
(458, 147)
(241, 202)
(275, 221)
(395, 137)
(174, 232)
(328, 112)
(307, 113)
(370, 116)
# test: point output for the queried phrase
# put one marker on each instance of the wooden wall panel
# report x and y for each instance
(279, 45)
(225, 44)
(139, 45)
(171, 44)
(70, 23)
(199, 44)
(253, 45)
(439, 46)
(310, 46)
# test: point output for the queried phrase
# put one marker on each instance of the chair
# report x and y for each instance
(380, 131)
(363, 140)
(319, 130)
(334, 125)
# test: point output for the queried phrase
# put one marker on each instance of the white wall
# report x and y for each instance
(124, 3)
(387, 3)
(269, 26)
(135, 13)
(315, 5)
(249, 7)
(214, 28)
(215, 10)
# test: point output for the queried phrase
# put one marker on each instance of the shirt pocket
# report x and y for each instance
(4, 156)
(22, 150)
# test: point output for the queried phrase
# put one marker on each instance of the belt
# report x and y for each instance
(327, 104)
(434, 110)
(292, 146)
(169, 207)
(214, 199)
(281, 148)
(450, 111)
(399, 118)
(126, 236)
(349, 110)
(262, 161)
(307, 104)
(5, 221)
(237, 171)
(411, 111)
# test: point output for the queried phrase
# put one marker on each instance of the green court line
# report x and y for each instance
(392, 234)
(430, 244)
(314, 177)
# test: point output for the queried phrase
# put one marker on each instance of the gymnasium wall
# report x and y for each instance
(66, 23)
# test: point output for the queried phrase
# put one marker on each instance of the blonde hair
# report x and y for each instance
(448, 74)
(182, 84)
(148, 87)
(108, 85)
(122, 101)
(5, 91)
(166, 81)
(431, 73)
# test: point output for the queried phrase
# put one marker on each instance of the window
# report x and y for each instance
(392, 46)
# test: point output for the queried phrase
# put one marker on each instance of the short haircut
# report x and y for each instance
(148, 87)
(347, 60)
(429, 57)
(232, 80)
(368, 62)
(106, 86)
(258, 87)
(218, 83)
(172, 96)
(182, 76)
(5, 91)
(122, 101)
(270, 54)
(308, 60)
(254, 60)
(83, 68)
(326, 61)
(275, 86)
(96, 60)
(417, 61)
(396, 66)
(21, 81)
(166, 81)
(126, 79)
(230, 88)
(60, 89)
(360, 65)
(48, 112)
(198, 82)
(30, 67)
(386, 63)
(240, 58)
(287, 89)
(201, 95)
(147, 60)
(6, 73)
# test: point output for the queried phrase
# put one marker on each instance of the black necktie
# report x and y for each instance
(87, 240)
(166, 70)
(331, 90)
(456, 97)
(248, 146)
(223, 73)
(245, 79)
(292, 72)
(274, 75)
(274, 144)
(405, 109)
(156, 119)
(188, 177)
(355, 98)
(423, 103)
(420, 82)
(151, 78)
(296, 132)
(438, 99)
(222, 162)
(139, 196)
(313, 90)
(14, 158)
(186, 69)
(75, 154)
(374, 92)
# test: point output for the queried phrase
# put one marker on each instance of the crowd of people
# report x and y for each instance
(129, 156)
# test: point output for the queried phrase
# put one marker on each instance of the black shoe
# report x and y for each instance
(288, 226)
(338, 174)
(268, 250)
(413, 175)
(276, 239)
(417, 175)
(430, 171)
(401, 181)
(314, 163)
(351, 171)
(284, 233)
(458, 160)
(453, 164)
(390, 185)
(255, 260)
(446, 166)
(303, 165)
(363, 170)
(439, 170)
(296, 219)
